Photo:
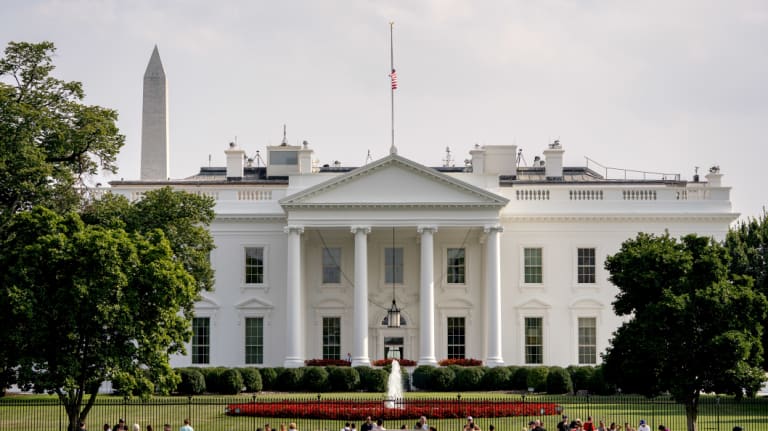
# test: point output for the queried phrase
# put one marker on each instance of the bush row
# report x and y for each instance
(230, 381)
(553, 380)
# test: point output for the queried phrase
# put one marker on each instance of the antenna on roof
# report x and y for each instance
(448, 160)
(285, 139)
(368, 157)
(520, 158)
(209, 160)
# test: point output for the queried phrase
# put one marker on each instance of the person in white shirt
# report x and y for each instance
(379, 426)
(186, 426)
(643, 426)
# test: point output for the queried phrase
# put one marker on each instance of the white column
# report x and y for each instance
(427, 297)
(493, 295)
(360, 347)
(294, 345)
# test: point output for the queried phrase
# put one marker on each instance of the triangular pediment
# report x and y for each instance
(394, 181)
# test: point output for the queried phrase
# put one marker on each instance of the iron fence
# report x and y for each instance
(208, 413)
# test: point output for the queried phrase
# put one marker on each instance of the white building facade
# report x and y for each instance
(491, 261)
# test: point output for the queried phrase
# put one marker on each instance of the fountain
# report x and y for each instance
(394, 386)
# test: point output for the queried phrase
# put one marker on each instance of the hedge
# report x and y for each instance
(231, 382)
(469, 378)
(315, 379)
(251, 379)
(268, 378)
(422, 377)
(559, 381)
(496, 378)
(192, 382)
(343, 379)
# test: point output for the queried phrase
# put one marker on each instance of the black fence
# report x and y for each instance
(209, 413)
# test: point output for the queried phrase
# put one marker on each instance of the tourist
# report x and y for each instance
(367, 425)
(186, 426)
(563, 424)
(136, 427)
(149, 428)
(403, 427)
(120, 425)
(423, 423)
(737, 428)
(663, 428)
(167, 427)
(107, 427)
(643, 426)
(589, 425)
(267, 427)
(601, 425)
(346, 427)
(292, 426)
(627, 427)
(613, 427)
(81, 426)
(470, 424)
(353, 427)
(282, 427)
(432, 429)
(379, 425)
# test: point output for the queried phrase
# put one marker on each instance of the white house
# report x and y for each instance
(491, 260)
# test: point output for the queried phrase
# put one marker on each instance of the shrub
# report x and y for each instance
(537, 378)
(268, 378)
(212, 378)
(343, 379)
(192, 382)
(315, 379)
(289, 379)
(443, 378)
(581, 376)
(231, 382)
(422, 377)
(469, 378)
(559, 381)
(251, 379)
(599, 385)
(497, 378)
(520, 379)
(372, 380)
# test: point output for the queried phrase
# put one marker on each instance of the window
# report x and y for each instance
(456, 344)
(533, 265)
(254, 340)
(331, 337)
(455, 266)
(585, 265)
(201, 340)
(534, 340)
(290, 158)
(393, 265)
(331, 265)
(587, 340)
(254, 265)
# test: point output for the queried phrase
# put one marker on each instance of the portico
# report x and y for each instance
(374, 205)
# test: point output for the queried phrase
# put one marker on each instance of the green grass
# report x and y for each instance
(41, 412)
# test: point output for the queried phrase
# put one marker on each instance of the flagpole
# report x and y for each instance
(392, 149)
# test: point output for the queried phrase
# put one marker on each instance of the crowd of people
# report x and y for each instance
(421, 425)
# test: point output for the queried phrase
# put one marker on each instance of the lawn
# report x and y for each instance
(40, 412)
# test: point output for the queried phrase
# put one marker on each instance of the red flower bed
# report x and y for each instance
(466, 362)
(404, 409)
(326, 362)
(384, 362)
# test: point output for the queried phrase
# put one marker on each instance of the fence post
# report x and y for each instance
(189, 407)
(717, 409)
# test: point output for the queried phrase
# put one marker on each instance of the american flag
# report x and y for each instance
(393, 75)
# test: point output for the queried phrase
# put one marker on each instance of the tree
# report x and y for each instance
(95, 302)
(49, 140)
(693, 328)
(747, 244)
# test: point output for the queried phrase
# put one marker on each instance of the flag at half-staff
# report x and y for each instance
(393, 75)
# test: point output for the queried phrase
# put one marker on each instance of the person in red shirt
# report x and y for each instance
(588, 425)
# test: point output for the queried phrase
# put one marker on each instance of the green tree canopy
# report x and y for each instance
(49, 140)
(693, 328)
(747, 244)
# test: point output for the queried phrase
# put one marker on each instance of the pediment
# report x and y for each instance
(394, 181)
(206, 303)
(254, 304)
(534, 304)
(586, 303)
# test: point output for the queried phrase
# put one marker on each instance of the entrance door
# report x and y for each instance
(394, 348)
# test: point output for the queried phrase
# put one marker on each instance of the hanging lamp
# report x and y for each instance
(393, 314)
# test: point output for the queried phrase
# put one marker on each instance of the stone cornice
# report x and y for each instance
(390, 205)
(718, 218)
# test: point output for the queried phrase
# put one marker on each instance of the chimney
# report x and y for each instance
(714, 176)
(235, 161)
(553, 161)
(478, 160)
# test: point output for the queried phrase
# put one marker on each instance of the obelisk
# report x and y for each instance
(154, 121)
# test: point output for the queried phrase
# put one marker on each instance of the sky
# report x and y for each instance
(653, 85)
